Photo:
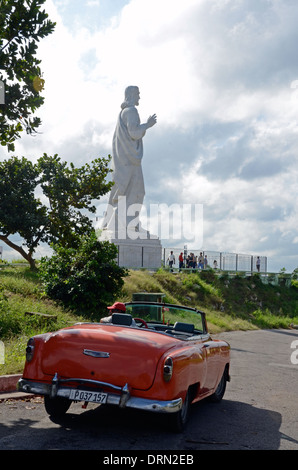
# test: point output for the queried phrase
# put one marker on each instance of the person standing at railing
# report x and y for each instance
(201, 261)
(171, 260)
(181, 261)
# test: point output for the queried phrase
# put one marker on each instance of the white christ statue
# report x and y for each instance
(128, 190)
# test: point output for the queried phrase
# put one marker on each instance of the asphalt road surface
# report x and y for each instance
(259, 411)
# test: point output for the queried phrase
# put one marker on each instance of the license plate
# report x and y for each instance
(84, 395)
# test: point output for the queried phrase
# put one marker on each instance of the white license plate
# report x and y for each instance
(84, 395)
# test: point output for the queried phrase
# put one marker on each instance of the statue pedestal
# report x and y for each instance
(138, 253)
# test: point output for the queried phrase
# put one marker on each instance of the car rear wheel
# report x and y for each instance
(217, 396)
(179, 420)
(57, 406)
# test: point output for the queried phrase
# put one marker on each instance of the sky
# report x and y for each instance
(222, 77)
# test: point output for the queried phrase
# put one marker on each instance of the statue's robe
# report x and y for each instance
(127, 173)
(127, 158)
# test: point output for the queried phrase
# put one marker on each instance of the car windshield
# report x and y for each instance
(166, 314)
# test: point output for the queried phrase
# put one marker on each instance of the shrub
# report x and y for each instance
(85, 279)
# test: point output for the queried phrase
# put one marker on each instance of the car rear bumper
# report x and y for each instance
(122, 397)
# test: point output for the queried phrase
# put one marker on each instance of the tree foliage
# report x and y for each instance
(22, 25)
(48, 201)
(85, 279)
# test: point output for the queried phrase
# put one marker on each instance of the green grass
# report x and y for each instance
(230, 304)
(21, 292)
(237, 303)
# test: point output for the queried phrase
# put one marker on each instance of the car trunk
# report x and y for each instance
(130, 355)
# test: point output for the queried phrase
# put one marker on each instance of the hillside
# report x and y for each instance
(236, 303)
(230, 302)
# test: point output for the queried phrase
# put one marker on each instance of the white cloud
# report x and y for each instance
(221, 76)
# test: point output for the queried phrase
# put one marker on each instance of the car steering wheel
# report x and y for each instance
(142, 321)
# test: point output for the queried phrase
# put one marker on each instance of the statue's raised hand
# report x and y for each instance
(151, 121)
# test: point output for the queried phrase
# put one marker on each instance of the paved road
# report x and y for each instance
(259, 410)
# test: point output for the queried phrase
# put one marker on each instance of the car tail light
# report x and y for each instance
(30, 350)
(168, 369)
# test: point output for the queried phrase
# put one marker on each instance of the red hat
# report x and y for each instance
(118, 306)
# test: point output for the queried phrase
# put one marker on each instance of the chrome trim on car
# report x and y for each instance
(125, 395)
(37, 388)
(101, 354)
(159, 406)
(98, 383)
(54, 387)
(122, 399)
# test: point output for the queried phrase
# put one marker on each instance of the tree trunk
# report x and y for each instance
(19, 249)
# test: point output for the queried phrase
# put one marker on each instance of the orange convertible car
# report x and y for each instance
(130, 362)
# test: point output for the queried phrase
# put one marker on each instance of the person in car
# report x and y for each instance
(117, 307)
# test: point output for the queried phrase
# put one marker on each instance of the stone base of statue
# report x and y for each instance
(136, 250)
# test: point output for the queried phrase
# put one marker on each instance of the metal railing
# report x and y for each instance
(223, 261)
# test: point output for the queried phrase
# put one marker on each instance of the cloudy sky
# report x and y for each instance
(222, 77)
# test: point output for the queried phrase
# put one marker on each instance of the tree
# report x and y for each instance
(22, 25)
(85, 279)
(60, 213)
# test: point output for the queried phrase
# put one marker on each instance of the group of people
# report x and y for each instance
(200, 262)
(191, 261)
